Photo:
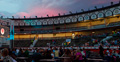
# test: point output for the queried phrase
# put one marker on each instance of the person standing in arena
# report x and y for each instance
(101, 50)
(61, 52)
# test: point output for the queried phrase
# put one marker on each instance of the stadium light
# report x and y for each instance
(25, 33)
(82, 10)
(36, 16)
(47, 15)
(13, 17)
(24, 17)
(111, 3)
(59, 14)
(70, 12)
(73, 35)
(93, 32)
(95, 7)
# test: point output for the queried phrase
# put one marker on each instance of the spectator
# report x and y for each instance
(36, 56)
(73, 53)
(6, 57)
(78, 56)
(21, 53)
(101, 51)
(12, 55)
(52, 54)
(83, 52)
(67, 54)
(114, 52)
(48, 54)
(56, 53)
(108, 55)
(17, 51)
(61, 52)
(26, 53)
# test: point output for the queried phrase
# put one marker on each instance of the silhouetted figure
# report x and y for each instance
(101, 51)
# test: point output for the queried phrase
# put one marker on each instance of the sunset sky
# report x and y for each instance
(21, 8)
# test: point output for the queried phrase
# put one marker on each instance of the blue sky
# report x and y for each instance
(31, 8)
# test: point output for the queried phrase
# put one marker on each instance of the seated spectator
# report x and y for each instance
(17, 51)
(12, 55)
(21, 53)
(73, 53)
(52, 54)
(83, 52)
(6, 57)
(36, 56)
(114, 52)
(26, 53)
(78, 56)
(56, 53)
(67, 54)
(108, 55)
(13, 51)
(48, 54)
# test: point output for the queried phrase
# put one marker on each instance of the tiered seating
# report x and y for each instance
(43, 43)
(22, 43)
(78, 41)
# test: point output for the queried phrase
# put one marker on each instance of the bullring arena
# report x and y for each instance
(87, 31)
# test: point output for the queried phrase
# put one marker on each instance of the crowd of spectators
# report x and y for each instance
(75, 55)
(111, 55)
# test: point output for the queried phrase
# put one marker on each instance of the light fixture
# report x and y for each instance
(82, 10)
(95, 7)
(93, 32)
(25, 33)
(111, 3)
(73, 34)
